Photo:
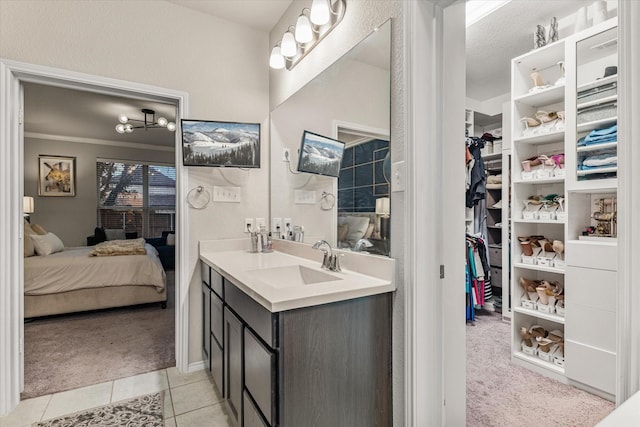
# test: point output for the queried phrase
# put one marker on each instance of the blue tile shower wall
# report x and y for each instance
(362, 179)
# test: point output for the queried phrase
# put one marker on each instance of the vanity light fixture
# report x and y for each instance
(311, 27)
(149, 122)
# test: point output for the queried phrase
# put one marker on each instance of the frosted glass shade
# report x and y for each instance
(320, 13)
(171, 126)
(123, 118)
(162, 121)
(276, 60)
(304, 34)
(120, 128)
(288, 47)
(382, 206)
(27, 204)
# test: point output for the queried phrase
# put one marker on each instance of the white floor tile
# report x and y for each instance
(168, 405)
(78, 399)
(139, 385)
(27, 412)
(194, 396)
(176, 378)
(170, 422)
(213, 415)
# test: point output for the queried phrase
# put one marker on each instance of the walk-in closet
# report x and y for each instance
(541, 211)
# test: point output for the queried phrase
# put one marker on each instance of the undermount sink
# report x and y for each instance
(292, 275)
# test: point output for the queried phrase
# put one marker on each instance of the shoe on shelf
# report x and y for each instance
(497, 205)
(558, 248)
(526, 246)
(546, 117)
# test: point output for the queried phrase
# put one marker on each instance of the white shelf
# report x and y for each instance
(607, 241)
(537, 361)
(597, 102)
(540, 181)
(595, 147)
(597, 83)
(493, 156)
(538, 221)
(545, 138)
(596, 124)
(536, 267)
(596, 171)
(535, 313)
(544, 97)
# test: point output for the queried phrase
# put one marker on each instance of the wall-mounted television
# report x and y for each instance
(320, 155)
(223, 144)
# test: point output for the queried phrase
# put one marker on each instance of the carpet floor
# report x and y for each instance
(76, 350)
(500, 393)
(141, 411)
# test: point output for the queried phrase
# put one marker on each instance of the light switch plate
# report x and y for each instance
(397, 176)
(226, 194)
(303, 197)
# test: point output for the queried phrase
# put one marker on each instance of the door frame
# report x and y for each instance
(12, 76)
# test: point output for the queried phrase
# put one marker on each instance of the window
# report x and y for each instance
(136, 197)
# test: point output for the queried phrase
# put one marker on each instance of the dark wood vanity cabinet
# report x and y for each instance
(324, 365)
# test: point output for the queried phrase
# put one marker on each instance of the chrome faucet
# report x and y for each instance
(360, 243)
(330, 260)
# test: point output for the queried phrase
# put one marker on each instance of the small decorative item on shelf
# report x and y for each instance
(606, 217)
(581, 19)
(561, 79)
(539, 39)
(553, 30)
(599, 11)
(538, 83)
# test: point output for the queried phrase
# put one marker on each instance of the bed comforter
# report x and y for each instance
(74, 269)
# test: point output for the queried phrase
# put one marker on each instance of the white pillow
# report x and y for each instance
(171, 239)
(357, 228)
(47, 244)
(29, 249)
(115, 234)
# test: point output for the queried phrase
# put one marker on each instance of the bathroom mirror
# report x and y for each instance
(350, 102)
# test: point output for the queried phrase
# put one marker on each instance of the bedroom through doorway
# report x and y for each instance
(124, 190)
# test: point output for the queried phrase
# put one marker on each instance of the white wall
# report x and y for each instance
(361, 17)
(74, 218)
(222, 65)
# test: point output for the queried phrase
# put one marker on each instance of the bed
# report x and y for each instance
(71, 281)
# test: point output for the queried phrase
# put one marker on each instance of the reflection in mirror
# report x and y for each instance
(350, 102)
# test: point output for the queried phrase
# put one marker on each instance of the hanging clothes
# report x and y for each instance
(478, 280)
(476, 172)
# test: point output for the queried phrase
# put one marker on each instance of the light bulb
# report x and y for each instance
(128, 128)
(303, 30)
(162, 121)
(320, 13)
(171, 126)
(123, 119)
(288, 47)
(276, 60)
(120, 128)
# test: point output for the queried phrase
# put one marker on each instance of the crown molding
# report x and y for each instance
(96, 141)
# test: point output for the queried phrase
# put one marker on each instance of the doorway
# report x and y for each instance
(14, 74)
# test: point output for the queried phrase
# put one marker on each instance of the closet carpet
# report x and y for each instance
(500, 393)
(76, 350)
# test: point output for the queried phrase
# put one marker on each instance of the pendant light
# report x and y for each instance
(320, 12)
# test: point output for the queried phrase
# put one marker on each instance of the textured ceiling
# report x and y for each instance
(505, 34)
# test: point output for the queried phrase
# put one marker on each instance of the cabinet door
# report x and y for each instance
(217, 319)
(233, 365)
(206, 325)
(252, 417)
(260, 375)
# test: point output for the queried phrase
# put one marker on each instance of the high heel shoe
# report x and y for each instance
(527, 250)
(530, 125)
(527, 339)
(546, 117)
(529, 287)
(558, 248)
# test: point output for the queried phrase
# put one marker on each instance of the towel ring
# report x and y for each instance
(326, 203)
(198, 197)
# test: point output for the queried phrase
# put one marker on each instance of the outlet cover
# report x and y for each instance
(398, 177)
(226, 194)
(248, 225)
(303, 197)
(276, 224)
(288, 225)
(286, 155)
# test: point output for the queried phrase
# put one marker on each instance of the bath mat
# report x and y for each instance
(139, 411)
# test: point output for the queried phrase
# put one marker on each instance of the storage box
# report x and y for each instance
(497, 147)
(547, 356)
(559, 172)
(532, 351)
(558, 357)
(527, 303)
(560, 309)
(546, 308)
(561, 216)
(531, 260)
(531, 212)
(598, 112)
(559, 263)
(548, 213)
(598, 92)
(487, 149)
(545, 259)
(527, 175)
(543, 173)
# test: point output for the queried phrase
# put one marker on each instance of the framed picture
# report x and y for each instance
(222, 144)
(320, 155)
(56, 176)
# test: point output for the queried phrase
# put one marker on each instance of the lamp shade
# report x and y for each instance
(27, 204)
(320, 13)
(276, 60)
(382, 206)
(304, 34)
(288, 48)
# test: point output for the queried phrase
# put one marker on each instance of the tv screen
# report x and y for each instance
(320, 155)
(223, 144)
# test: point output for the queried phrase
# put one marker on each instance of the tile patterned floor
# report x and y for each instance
(190, 400)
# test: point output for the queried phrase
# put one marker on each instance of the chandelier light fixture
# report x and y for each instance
(127, 124)
(311, 27)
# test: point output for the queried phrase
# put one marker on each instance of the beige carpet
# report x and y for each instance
(500, 393)
(76, 350)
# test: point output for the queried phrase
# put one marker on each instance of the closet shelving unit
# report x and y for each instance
(587, 268)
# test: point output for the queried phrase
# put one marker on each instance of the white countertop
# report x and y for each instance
(239, 266)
